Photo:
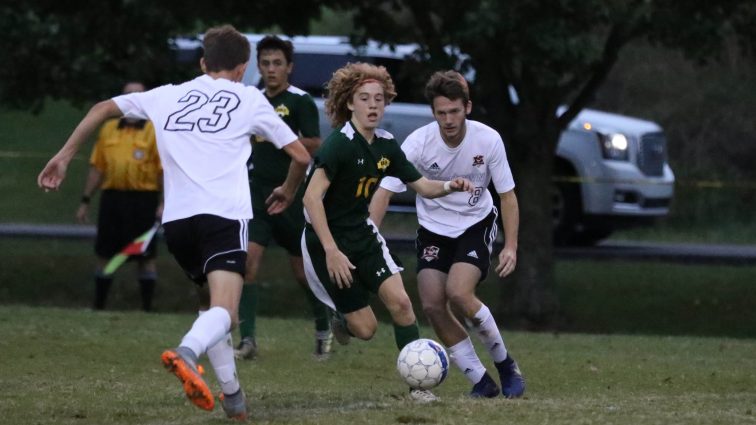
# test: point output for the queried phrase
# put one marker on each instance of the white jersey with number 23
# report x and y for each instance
(203, 130)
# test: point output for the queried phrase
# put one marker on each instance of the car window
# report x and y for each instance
(313, 70)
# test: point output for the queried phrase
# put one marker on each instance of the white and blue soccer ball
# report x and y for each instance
(423, 364)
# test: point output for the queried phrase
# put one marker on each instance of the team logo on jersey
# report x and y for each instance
(282, 111)
(383, 163)
(138, 154)
(430, 253)
(361, 161)
(477, 160)
(434, 167)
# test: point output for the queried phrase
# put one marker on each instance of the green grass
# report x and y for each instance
(69, 366)
(595, 296)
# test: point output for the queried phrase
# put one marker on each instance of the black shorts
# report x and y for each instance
(474, 246)
(204, 243)
(285, 228)
(123, 216)
(366, 249)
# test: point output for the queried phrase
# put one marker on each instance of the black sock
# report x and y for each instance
(147, 289)
(102, 287)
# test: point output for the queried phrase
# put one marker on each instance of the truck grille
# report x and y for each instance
(652, 154)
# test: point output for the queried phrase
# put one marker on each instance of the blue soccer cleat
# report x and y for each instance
(485, 388)
(512, 382)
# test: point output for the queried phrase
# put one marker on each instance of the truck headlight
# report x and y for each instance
(614, 146)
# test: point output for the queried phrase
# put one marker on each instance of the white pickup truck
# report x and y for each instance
(611, 170)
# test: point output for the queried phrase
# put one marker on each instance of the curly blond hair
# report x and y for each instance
(345, 81)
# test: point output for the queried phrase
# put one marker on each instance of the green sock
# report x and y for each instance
(319, 311)
(248, 310)
(405, 334)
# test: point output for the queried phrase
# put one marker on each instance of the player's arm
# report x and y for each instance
(310, 143)
(282, 196)
(339, 266)
(55, 171)
(510, 220)
(94, 178)
(161, 200)
(437, 188)
(379, 205)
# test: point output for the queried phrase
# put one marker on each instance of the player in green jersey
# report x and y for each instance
(268, 168)
(346, 258)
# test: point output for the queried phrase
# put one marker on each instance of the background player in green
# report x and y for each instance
(345, 256)
(268, 168)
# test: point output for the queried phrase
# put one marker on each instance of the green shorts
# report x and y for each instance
(366, 249)
(284, 228)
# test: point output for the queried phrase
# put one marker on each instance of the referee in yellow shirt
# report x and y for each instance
(125, 164)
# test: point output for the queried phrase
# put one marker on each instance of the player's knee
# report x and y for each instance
(400, 306)
(363, 330)
(433, 310)
(463, 302)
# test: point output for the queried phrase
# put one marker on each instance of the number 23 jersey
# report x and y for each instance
(203, 130)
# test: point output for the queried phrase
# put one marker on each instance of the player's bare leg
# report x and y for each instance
(399, 305)
(433, 287)
(463, 278)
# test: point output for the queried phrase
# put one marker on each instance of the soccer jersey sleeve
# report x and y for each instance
(401, 167)
(132, 105)
(327, 157)
(501, 174)
(409, 147)
(308, 118)
(268, 124)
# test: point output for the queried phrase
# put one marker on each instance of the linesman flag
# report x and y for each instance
(136, 247)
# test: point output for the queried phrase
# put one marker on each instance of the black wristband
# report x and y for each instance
(85, 199)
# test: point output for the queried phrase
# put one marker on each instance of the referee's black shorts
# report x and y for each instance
(123, 216)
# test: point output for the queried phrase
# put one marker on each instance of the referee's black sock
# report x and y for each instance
(147, 289)
(102, 287)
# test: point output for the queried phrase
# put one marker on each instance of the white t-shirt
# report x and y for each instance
(203, 130)
(480, 158)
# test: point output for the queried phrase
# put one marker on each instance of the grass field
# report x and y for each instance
(69, 366)
(595, 296)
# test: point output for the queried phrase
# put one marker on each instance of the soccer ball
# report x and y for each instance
(423, 364)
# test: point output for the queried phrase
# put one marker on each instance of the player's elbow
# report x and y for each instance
(302, 159)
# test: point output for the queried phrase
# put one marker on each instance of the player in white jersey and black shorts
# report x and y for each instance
(456, 235)
(203, 130)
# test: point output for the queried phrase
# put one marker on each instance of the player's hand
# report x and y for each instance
(339, 268)
(53, 174)
(278, 200)
(461, 184)
(507, 262)
(82, 214)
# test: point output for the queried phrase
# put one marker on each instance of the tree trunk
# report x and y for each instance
(528, 296)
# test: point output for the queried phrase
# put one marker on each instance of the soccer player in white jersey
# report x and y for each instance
(456, 233)
(203, 130)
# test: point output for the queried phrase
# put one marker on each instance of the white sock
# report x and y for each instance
(207, 330)
(464, 357)
(221, 356)
(488, 333)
